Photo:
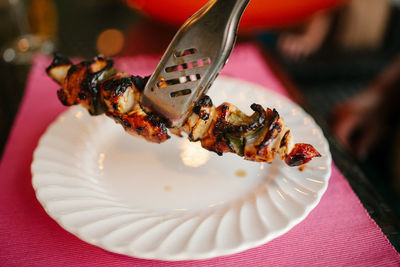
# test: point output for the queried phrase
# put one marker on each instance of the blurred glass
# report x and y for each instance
(33, 26)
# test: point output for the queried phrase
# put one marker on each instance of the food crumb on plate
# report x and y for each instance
(168, 188)
(241, 173)
(302, 167)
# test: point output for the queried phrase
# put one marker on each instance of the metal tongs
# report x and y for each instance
(193, 60)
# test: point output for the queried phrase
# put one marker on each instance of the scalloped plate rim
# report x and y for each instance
(192, 256)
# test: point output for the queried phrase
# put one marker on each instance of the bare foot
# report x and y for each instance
(359, 123)
(297, 46)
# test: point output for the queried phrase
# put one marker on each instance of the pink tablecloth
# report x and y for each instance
(338, 232)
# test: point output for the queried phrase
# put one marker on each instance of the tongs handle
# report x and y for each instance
(219, 16)
(193, 59)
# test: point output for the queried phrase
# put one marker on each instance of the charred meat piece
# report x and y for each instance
(140, 124)
(301, 154)
(121, 98)
(199, 121)
(59, 68)
(95, 85)
(80, 85)
(119, 93)
(259, 137)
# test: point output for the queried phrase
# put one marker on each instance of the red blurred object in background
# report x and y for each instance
(260, 14)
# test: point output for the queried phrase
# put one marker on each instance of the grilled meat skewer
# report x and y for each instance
(100, 89)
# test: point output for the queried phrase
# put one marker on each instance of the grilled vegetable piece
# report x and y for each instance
(259, 137)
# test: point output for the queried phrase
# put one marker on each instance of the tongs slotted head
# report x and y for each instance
(193, 59)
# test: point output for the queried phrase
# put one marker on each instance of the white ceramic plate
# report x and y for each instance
(174, 201)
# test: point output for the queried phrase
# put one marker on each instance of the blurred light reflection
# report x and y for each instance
(110, 42)
(101, 160)
(23, 45)
(193, 155)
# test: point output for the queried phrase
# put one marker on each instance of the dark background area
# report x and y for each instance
(332, 76)
(78, 25)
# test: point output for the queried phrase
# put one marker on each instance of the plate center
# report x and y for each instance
(177, 175)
